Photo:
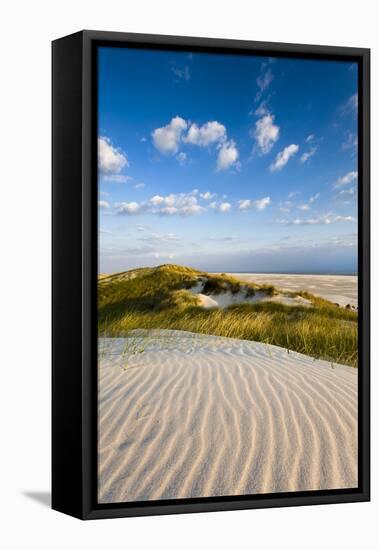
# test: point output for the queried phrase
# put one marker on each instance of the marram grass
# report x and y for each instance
(157, 298)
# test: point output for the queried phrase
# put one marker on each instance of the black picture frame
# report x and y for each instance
(74, 273)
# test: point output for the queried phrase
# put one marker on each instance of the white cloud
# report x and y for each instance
(222, 207)
(207, 196)
(104, 205)
(129, 208)
(259, 204)
(183, 204)
(350, 106)
(283, 157)
(285, 206)
(314, 198)
(262, 109)
(182, 158)
(160, 237)
(227, 155)
(351, 141)
(266, 133)
(346, 179)
(308, 154)
(347, 195)
(310, 138)
(207, 134)
(167, 138)
(117, 178)
(182, 74)
(325, 219)
(140, 185)
(263, 82)
(110, 159)
(307, 205)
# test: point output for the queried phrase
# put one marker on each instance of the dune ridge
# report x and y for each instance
(194, 416)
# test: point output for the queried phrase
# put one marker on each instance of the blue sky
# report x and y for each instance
(226, 162)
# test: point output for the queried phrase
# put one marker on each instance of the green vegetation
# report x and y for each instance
(158, 298)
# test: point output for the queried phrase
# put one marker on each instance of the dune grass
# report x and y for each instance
(156, 298)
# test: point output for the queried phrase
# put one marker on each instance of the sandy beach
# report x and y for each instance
(341, 289)
(184, 415)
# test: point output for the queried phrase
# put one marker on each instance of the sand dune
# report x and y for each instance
(183, 415)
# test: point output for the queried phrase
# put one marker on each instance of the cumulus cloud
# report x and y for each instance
(183, 204)
(129, 208)
(110, 159)
(348, 178)
(169, 138)
(283, 157)
(207, 134)
(227, 155)
(222, 207)
(104, 205)
(207, 196)
(266, 133)
(259, 204)
(310, 138)
(166, 139)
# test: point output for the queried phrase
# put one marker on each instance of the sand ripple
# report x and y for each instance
(196, 416)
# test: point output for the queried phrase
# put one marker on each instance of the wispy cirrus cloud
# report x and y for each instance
(308, 205)
(116, 178)
(283, 157)
(264, 80)
(350, 142)
(348, 178)
(308, 154)
(350, 107)
(181, 73)
(324, 219)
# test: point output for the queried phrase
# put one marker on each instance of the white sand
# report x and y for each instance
(341, 289)
(198, 415)
(225, 299)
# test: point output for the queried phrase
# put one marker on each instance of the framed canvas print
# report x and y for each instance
(210, 275)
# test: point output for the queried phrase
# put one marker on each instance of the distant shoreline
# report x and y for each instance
(288, 273)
